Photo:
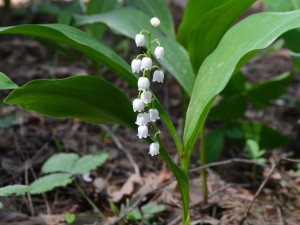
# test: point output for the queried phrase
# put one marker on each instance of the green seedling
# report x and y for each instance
(145, 215)
(253, 152)
(60, 170)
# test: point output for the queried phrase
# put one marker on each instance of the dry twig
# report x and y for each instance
(124, 150)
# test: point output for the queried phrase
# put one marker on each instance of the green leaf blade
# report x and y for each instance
(60, 162)
(14, 189)
(218, 67)
(6, 83)
(262, 93)
(205, 22)
(87, 98)
(49, 182)
(89, 162)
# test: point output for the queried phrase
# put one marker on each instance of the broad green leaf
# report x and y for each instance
(296, 59)
(159, 9)
(205, 22)
(228, 108)
(134, 215)
(237, 85)
(89, 162)
(14, 189)
(266, 137)
(80, 41)
(262, 93)
(87, 98)
(60, 162)
(153, 208)
(291, 38)
(218, 67)
(6, 83)
(95, 7)
(49, 182)
(214, 144)
(130, 22)
(92, 48)
(282, 5)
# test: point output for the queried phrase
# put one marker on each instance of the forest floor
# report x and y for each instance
(27, 139)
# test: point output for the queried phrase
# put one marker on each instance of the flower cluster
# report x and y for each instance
(145, 100)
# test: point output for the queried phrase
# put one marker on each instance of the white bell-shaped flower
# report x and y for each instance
(142, 119)
(153, 115)
(154, 149)
(142, 132)
(143, 83)
(140, 40)
(155, 21)
(136, 65)
(146, 63)
(159, 52)
(158, 76)
(138, 105)
(146, 97)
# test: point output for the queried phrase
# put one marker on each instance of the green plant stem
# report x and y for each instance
(184, 107)
(182, 177)
(89, 200)
(203, 162)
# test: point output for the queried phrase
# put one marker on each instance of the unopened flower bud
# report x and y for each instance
(136, 65)
(138, 105)
(140, 40)
(155, 22)
(159, 52)
(154, 149)
(158, 76)
(142, 119)
(142, 132)
(146, 97)
(146, 63)
(153, 115)
(143, 83)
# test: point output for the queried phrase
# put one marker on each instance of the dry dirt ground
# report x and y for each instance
(32, 138)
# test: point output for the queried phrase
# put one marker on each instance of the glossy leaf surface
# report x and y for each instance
(87, 98)
(218, 67)
(291, 38)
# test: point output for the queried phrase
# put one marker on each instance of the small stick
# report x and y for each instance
(124, 150)
(259, 190)
(229, 161)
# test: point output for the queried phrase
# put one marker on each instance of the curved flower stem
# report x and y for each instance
(141, 55)
(142, 31)
(156, 40)
(88, 199)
